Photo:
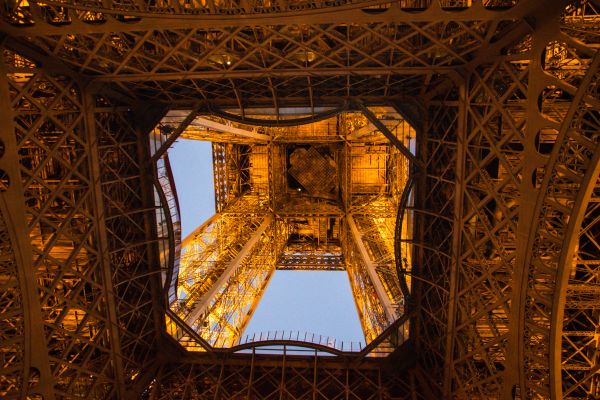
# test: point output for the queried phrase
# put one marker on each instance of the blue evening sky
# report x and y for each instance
(319, 302)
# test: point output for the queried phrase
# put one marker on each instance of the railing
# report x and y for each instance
(294, 342)
(277, 342)
(304, 337)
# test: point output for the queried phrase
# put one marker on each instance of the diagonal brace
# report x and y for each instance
(175, 134)
(203, 305)
(388, 134)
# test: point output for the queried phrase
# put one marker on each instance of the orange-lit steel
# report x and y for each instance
(228, 261)
(496, 250)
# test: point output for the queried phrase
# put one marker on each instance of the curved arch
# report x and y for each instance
(393, 328)
(571, 239)
(569, 168)
(400, 268)
(170, 282)
(278, 123)
(283, 342)
(565, 266)
(71, 15)
(12, 319)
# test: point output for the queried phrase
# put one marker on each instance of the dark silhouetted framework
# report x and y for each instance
(504, 269)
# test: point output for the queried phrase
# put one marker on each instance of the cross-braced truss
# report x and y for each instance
(511, 145)
(291, 376)
(359, 50)
(503, 96)
(578, 305)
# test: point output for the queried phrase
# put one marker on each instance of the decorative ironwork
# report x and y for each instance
(503, 99)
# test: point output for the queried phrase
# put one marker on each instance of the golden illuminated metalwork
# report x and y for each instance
(500, 287)
(280, 205)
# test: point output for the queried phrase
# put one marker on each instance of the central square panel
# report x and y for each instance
(313, 170)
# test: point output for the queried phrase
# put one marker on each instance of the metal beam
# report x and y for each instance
(273, 73)
(388, 134)
(103, 248)
(368, 129)
(461, 147)
(566, 263)
(174, 135)
(57, 66)
(349, 14)
(219, 127)
(13, 211)
(390, 313)
(566, 268)
(232, 267)
(515, 375)
(326, 112)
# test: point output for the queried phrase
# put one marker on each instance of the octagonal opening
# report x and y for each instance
(319, 196)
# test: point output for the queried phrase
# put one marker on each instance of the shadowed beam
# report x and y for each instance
(281, 122)
(271, 73)
(219, 127)
(349, 14)
(388, 134)
(369, 129)
(174, 135)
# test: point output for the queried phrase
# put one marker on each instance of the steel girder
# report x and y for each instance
(79, 233)
(290, 376)
(508, 149)
(575, 313)
(492, 176)
(284, 62)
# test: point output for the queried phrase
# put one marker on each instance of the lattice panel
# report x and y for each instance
(230, 171)
(12, 324)
(127, 219)
(369, 306)
(491, 177)
(234, 304)
(497, 172)
(366, 54)
(571, 161)
(580, 356)
(378, 237)
(289, 377)
(207, 252)
(55, 171)
(434, 213)
(22, 12)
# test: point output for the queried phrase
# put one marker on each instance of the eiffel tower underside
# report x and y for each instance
(501, 256)
(318, 196)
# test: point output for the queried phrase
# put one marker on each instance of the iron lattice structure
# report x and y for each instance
(319, 196)
(503, 95)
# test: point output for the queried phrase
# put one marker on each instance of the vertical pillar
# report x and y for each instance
(101, 237)
(461, 146)
(12, 207)
(385, 301)
(233, 265)
(515, 379)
